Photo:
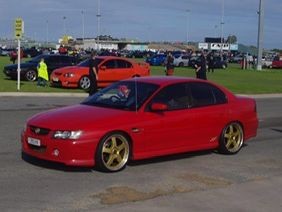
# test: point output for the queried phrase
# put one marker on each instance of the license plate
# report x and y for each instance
(33, 141)
(55, 79)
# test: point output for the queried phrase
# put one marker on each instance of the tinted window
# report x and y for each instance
(175, 96)
(110, 64)
(220, 97)
(123, 64)
(203, 94)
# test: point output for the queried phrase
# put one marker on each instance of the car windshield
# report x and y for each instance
(125, 95)
(85, 63)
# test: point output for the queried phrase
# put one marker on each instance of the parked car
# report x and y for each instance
(277, 62)
(181, 60)
(142, 118)
(29, 68)
(110, 69)
(219, 63)
(156, 60)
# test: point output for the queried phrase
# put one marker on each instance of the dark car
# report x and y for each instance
(32, 52)
(29, 68)
(156, 60)
(219, 63)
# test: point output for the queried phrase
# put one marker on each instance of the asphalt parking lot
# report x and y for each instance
(203, 181)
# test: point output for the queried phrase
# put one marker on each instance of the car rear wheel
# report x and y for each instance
(181, 64)
(84, 83)
(31, 75)
(232, 138)
(113, 152)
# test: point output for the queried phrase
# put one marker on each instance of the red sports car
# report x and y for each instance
(142, 118)
(111, 69)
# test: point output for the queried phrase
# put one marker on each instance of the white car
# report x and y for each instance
(181, 60)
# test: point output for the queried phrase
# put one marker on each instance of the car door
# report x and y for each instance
(209, 113)
(113, 70)
(170, 130)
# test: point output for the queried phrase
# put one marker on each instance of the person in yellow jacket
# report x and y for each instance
(42, 73)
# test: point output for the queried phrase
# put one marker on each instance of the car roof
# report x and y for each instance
(164, 80)
(168, 80)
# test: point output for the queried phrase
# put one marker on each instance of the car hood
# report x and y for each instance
(68, 69)
(23, 65)
(78, 117)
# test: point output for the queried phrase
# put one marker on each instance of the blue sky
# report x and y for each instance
(145, 20)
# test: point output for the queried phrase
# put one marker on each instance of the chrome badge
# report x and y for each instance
(37, 130)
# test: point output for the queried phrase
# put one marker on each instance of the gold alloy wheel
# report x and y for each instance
(115, 152)
(233, 137)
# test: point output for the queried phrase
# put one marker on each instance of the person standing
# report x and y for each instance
(169, 64)
(210, 60)
(201, 67)
(93, 74)
(42, 73)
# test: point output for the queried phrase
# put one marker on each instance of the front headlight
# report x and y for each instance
(68, 75)
(65, 134)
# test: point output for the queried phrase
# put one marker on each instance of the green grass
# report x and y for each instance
(233, 78)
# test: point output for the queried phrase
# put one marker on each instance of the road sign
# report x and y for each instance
(19, 28)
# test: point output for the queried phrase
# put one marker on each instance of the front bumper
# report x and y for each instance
(68, 152)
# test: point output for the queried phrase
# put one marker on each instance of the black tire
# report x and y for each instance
(181, 64)
(113, 152)
(31, 75)
(231, 139)
(84, 83)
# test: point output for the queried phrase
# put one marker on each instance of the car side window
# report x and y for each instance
(204, 94)
(174, 96)
(123, 64)
(110, 64)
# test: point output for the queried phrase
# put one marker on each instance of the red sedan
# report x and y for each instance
(111, 69)
(142, 118)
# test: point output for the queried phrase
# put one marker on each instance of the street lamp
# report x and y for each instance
(65, 30)
(82, 16)
(47, 32)
(221, 24)
(187, 24)
(98, 25)
(260, 34)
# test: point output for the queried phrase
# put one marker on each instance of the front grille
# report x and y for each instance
(38, 148)
(39, 130)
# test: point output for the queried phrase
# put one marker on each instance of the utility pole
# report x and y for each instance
(221, 24)
(260, 34)
(98, 25)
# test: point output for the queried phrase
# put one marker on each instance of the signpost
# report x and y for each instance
(19, 29)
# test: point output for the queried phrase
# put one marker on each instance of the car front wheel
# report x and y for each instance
(84, 82)
(31, 75)
(113, 152)
(232, 138)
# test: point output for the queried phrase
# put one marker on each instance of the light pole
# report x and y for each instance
(187, 24)
(260, 34)
(221, 24)
(47, 32)
(65, 30)
(82, 16)
(98, 24)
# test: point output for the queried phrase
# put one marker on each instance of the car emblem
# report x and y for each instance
(37, 130)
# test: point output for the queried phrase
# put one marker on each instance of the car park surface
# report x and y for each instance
(205, 181)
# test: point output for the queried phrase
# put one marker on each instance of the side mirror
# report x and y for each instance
(159, 107)
(102, 68)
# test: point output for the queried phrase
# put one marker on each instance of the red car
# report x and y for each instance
(111, 69)
(142, 118)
